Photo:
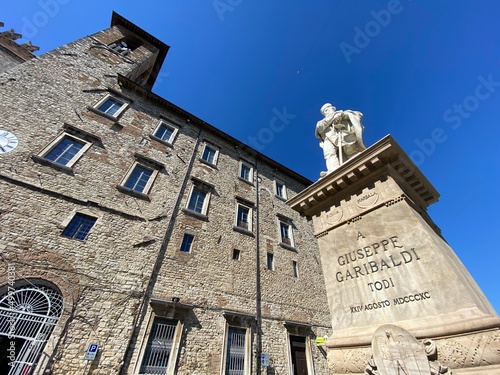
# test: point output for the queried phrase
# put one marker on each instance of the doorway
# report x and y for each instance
(28, 314)
(298, 354)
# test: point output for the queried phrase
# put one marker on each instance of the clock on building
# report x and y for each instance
(8, 141)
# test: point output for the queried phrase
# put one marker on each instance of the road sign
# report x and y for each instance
(91, 352)
(320, 341)
(264, 360)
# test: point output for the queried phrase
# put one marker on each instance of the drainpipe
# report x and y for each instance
(143, 307)
(258, 302)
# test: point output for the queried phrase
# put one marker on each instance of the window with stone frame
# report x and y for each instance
(246, 171)
(237, 353)
(158, 349)
(79, 227)
(187, 243)
(243, 217)
(280, 189)
(210, 154)
(140, 177)
(285, 232)
(111, 106)
(165, 132)
(65, 150)
(162, 339)
(199, 198)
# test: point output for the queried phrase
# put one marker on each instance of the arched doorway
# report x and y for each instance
(28, 313)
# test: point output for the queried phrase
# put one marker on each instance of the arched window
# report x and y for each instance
(28, 313)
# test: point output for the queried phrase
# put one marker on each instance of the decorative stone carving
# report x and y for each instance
(367, 200)
(395, 351)
(341, 136)
(334, 215)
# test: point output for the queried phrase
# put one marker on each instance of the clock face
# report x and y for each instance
(8, 141)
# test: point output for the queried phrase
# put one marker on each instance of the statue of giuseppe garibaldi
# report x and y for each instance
(341, 136)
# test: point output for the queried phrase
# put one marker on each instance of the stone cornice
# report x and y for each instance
(383, 158)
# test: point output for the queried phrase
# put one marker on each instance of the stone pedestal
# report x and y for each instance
(385, 262)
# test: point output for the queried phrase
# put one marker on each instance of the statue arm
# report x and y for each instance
(323, 125)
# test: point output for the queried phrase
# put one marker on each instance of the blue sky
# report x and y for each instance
(426, 72)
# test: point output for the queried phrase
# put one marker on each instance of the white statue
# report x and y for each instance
(341, 136)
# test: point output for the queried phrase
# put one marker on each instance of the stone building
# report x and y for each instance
(129, 223)
(11, 53)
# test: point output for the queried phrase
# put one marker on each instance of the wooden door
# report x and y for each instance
(298, 351)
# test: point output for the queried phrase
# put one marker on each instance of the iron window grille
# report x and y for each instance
(235, 354)
(159, 346)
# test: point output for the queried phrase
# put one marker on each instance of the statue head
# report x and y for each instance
(327, 108)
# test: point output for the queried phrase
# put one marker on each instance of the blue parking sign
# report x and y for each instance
(264, 360)
(91, 352)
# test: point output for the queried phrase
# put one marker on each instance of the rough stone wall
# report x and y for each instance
(208, 277)
(105, 279)
(7, 59)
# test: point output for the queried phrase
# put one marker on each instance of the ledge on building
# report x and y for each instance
(195, 214)
(288, 247)
(134, 193)
(50, 163)
(243, 231)
(172, 309)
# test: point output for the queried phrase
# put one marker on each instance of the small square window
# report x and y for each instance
(295, 269)
(236, 254)
(79, 227)
(111, 106)
(187, 243)
(270, 261)
(197, 200)
(166, 132)
(280, 189)
(210, 154)
(246, 171)
(286, 236)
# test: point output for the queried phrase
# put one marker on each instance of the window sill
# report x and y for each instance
(214, 166)
(134, 193)
(105, 115)
(195, 214)
(162, 141)
(288, 247)
(50, 163)
(248, 182)
(74, 238)
(280, 197)
(243, 231)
